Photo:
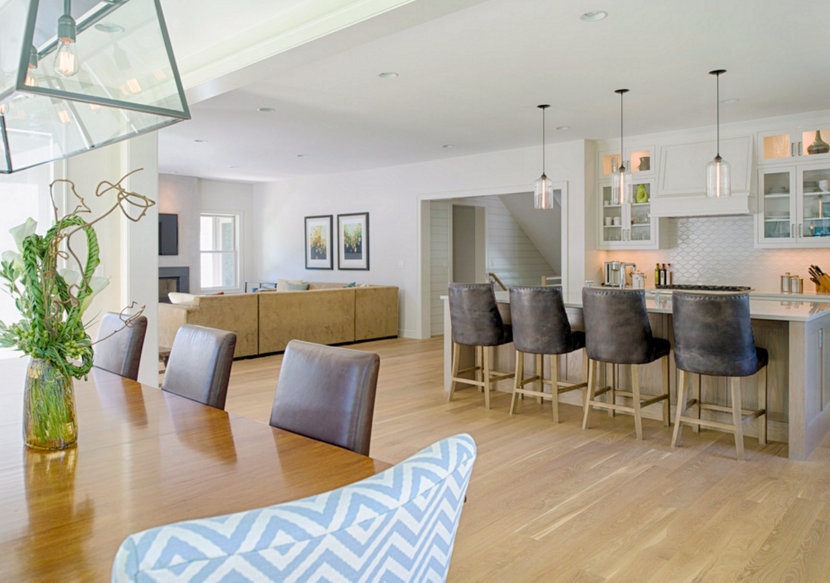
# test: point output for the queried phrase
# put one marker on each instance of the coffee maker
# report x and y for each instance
(616, 274)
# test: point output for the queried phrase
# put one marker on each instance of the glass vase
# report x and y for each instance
(48, 407)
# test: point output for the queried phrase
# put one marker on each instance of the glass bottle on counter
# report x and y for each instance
(669, 274)
(657, 275)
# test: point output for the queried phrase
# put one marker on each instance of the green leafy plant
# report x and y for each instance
(52, 299)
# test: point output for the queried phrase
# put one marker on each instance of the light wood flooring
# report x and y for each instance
(555, 503)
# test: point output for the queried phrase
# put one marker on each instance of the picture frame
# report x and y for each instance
(353, 241)
(319, 252)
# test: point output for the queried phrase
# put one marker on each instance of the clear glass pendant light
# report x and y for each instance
(621, 179)
(718, 179)
(543, 194)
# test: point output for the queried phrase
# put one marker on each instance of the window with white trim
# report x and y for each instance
(219, 251)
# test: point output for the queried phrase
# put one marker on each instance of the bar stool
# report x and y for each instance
(541, 327)
(477, 321)
(617, 331)
(713, 337)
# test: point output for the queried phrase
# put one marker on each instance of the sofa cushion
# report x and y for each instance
(325, 285)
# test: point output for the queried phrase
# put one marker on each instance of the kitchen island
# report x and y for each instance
(792, 329)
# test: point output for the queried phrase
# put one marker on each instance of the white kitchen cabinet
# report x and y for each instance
(629, 225)
(640, 161)
(681, 190)
(794, 209)
(801, 144)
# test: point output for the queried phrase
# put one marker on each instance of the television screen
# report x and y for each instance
(168, 234)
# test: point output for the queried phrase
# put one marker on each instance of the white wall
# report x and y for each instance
(392, 197)
(188, 197)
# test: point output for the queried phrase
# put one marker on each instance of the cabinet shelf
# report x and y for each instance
(778, 195)
(823, 193)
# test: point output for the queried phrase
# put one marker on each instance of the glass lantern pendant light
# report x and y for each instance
(543, 194)
(105, 73)
(718, 183)
(621, 179)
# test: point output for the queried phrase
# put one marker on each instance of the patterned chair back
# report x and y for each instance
(406, 532)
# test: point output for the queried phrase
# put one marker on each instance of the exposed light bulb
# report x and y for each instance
(30, 80)
(66, 62)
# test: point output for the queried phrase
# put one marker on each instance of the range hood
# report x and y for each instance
(681, 190)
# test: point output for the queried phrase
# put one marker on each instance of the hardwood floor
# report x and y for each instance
(556, 503)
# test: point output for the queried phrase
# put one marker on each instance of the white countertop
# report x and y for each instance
(762, 305)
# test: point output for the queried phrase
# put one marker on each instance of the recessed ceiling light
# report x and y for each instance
(563, 128)
(593, 15)
(730, 100)
(200, 141)
(265, 109)
(300, 155)
(109, 27)
(388, 75)
(448, 146)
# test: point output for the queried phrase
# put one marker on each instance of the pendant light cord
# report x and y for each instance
(543, 140)
(717, 114)
(622, 149)
(67, 7)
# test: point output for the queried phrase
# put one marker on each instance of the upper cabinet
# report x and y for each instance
(681, 188)
(794, 206)
(628, 225)
(794, 145)
(642, 162)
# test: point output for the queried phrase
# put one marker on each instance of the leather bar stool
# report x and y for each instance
(541, 327)
(617, 331)
(713, 337)
(477, 320)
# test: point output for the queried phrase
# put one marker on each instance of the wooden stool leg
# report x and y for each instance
(479, 365)
(682, 377)
(540, 370)
(518, 378)
(635, 390)
(666, 391)
(592, 379)
(697, 379)
(456, 353)
(612, 394)
(554, 387)
(735, 386)
(486, 371)
(762, 404)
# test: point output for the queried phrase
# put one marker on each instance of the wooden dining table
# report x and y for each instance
(143, 458)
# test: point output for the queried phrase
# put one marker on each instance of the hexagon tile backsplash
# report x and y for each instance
(720, 251)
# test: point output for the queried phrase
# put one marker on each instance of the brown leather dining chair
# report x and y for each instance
(327, 393)
(199, 367)
(119, 345)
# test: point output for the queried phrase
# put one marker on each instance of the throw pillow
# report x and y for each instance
(180, 298)
(282, 284)
(296, 286)
(353, 284)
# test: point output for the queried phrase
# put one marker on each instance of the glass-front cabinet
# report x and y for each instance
(641, 159)
(794, 208)
(800, 144)
(628, 225)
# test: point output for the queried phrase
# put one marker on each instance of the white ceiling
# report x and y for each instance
(472, 78)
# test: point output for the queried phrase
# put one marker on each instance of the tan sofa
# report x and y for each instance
(266, 321)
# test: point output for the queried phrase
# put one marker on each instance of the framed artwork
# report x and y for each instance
(353, 241)
(318, 243)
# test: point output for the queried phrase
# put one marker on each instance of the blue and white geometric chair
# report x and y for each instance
(399, 525)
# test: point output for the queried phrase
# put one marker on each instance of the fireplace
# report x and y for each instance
(173, 279)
